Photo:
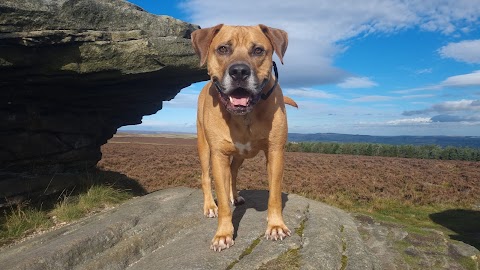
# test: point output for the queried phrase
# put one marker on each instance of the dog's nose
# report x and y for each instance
(239, 72)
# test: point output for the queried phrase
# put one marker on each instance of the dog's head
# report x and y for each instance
(239, 61)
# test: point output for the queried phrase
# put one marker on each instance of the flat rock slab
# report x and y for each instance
(167, 230)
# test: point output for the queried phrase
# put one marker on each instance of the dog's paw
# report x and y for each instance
(221, 242)
(239, 200)
(277, 232)
(210, 211)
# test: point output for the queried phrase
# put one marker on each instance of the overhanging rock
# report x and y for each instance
(73, 71)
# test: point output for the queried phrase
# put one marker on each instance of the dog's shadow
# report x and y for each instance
(256, 199)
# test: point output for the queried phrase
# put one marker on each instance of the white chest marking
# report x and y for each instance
(243, 148)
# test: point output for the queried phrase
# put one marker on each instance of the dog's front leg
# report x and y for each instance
(222, 176)
(276, 228)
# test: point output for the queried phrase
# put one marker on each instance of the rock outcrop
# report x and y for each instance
(73, 71)
(167, 230)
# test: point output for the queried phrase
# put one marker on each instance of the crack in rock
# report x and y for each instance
(247, 251)
(344, 259)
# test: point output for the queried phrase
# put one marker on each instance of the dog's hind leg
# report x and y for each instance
(210, 209)
(235, 199)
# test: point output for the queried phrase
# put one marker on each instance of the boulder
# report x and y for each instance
(73, 71)
(167, 230)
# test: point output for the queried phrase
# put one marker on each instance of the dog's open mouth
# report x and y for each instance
(239, 102)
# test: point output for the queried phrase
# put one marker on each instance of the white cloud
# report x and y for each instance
(464, 51)
(417, 89)
(462, 111)
(410, 121)
(150, 123)
(463, 80)
(357, 82)
(470, 79)
(459, 105)
(419, 127)
(446, 118)
(417, 96)
(424, 71)
(318, 28)
(187, 98)
(308, 93)
(446, 16)
(373, 98)
(182, 100)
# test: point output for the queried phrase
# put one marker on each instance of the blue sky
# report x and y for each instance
(373, 67)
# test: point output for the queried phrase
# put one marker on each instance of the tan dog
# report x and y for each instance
(236, 119)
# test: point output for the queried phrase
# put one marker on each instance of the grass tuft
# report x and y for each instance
(20, 221)
(96, 198)
(392, 210)
(23, 220)
(68, 210)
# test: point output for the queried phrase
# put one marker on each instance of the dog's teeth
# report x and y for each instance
(231, 99)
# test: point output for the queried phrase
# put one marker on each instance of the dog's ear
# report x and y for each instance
(201, 40)
(278, 38)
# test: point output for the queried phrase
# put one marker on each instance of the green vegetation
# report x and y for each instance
(468, 263)
(97, 197)
(287, 260)
(22, 220)
(301, 228)
(386, 150)
(390, 210)
(453, 219)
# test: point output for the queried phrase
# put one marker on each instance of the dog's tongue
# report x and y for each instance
(239, 101)
(239, 97)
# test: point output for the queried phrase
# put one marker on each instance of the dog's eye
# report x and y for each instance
(223, 49)
(258, 51)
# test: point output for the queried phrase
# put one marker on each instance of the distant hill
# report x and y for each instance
(443, 141)
(152, 132)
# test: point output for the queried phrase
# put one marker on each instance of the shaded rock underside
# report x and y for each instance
(73, 71)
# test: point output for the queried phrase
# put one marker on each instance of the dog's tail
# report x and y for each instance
(290, 101)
